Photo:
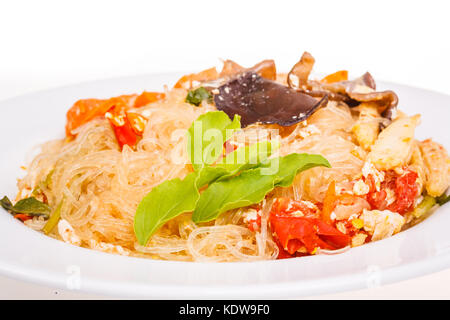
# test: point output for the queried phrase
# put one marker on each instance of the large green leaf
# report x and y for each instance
(251, 186)
(166, 201)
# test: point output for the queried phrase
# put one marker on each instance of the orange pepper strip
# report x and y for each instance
(329, 203)
(148, 97)
(341, 75)
(87, 109)
(205, 75)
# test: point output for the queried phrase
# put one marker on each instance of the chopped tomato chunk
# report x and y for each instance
(377, 199)
(406, 190)
(295, 232)
(404, 186)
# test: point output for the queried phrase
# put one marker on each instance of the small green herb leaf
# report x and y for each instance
(243, 190)
(207, 135)
(166, 201)
(251, 186)
(196, 96)
(30, 206)
(290, 165)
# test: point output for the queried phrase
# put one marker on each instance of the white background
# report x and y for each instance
(46, 44)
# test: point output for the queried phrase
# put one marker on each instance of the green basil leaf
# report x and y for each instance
(241, 178)
(196, 96)
(166, 201)
(248, 157)
(236, 161)
(251, 186)
(243, 190)
(289, 166)
(207, 135)
(207, 175)
(30, 206)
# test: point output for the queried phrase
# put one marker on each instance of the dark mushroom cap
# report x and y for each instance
(259, 100)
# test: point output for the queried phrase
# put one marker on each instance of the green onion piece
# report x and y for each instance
(443, 199)
(423, 207)
(53, 220)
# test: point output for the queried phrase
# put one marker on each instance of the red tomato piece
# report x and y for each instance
(23, 217)
(377, 199)
(295, 232)
(406, 190)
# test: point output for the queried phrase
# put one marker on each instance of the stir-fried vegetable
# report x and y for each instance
(128, 126)
(85, 110)
(30, 206)
(230, 185)
(305, 231)
(26, 208)
(424, 206)
(198, 95)
(53, 220)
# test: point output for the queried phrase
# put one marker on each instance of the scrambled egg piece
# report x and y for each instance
(394, 145)
(67, 233)
(107, 247)
(360, 188)
(382, 224)
(250, 215)
(358, 239)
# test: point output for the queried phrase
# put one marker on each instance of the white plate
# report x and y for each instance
(29, 255)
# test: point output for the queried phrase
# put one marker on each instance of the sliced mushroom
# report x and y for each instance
(352, 92)
(257, 99)
(301, 70)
